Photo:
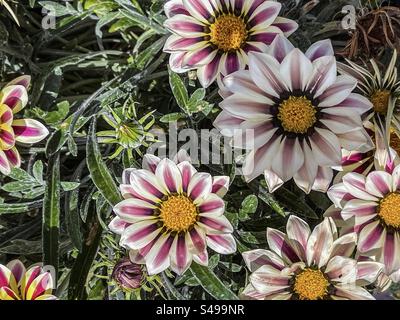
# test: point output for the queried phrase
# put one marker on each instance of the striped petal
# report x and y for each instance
(6, 114)
(5, 167)
(287, 26)
(215, 225)
(13, 157)
(264, 15)
(150, 162)
(157, 260)
(29, 131)
(185, 26)
(117, 225)
(43, 284)
(180, 255)
(174, 7)
(132, 210)
(320, 243)
(337, 92)
(169, 176)
(211, 206)
(268, 280)
(24, 81)
(277, 243)
(379, 183)
(280, 48)
(221, 243)
(7, 294)
(200, 186)
(17, 268)
(15, 97)
(320, 49)
(7, 137)
(220, 185)
(208, 73)
(298, 231)
(296, 70)
(371, 237)
(257, 258)
(140, 234)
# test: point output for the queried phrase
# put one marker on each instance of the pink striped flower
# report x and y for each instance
(370, 206)
(308, 265)
(215, 36)
(13, 98)
(17, 283)
(171, 213)
(302, 115)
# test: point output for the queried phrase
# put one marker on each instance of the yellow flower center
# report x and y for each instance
(389, 210)
(311, 285)
(297, 114)
(380, 100)
(178, 213)
(228, 32)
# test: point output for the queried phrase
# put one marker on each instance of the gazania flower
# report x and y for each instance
(171, 213)
(371, 207)
(215, 36)
(302, 114)
(13, 98)
(308, 265)
(17, 283)
(383, 90)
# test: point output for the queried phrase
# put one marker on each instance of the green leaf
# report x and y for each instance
(37, 171)
(172, 117)
(51, 213)
(99, 172)
(69, 186)
(179, 90)
(211, 283)
(295, 203)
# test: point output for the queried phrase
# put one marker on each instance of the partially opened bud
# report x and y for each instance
(127, 274)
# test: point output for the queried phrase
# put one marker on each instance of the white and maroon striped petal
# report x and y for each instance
(251, 6)
(257, 258)
(132, 210)
(175, 7)
(355, 185)
(298, 231)
(208, 73)
(274, 182)
(368, 272)
(138, 235)
(227, 123)
(339, 123)
(185, 26)
(278, 244)
(372, 236)
(354, 102)
(296, 70)
(17, 268)
(175, 62)
(352, 292)
(250, 293)
(268, 280)
(29, 130)
(391, 252)
(15, 97)
(319, 245)
(323, 75)
(280, 48)
(305, 176)
(211, 206)
(325, 147)
(215, 225)
(7, 278)
(260, 39)
(359, 208)
(337, 92)
(242, 106)
(264, 15)
(200, 9)
(220, 185)
(344, 246)
(396, 178)
(196, 240)
(241, 82)
(178, 43)
(150, 162)
(342, 269)
(24, 81)
(181, 156)
(323, 179)
(180, 256)
(221, 243)
(147, 185)
(289, 159)
(264, 70)
(201, 258)
(199, 57)
(187, 171)
(379, 183)
(169, 176)
(287, 26)
(4, 163)
(231, 62)
(136, 257)
(320, 49)
(158, 258)
(200, 186)
(117, 225)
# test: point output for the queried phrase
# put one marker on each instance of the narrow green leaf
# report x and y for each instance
(211, 283)
(179, 90)
(99, 172)
(51, 213)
